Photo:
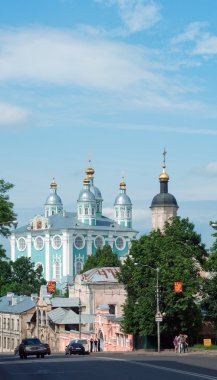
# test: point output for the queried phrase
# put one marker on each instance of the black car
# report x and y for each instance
(48, 350)
(32, 346)
(75, 348)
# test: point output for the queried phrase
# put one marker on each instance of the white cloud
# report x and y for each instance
(11, 114)
(136, 15)
(204, 43)
(63, 58)
(211, 169)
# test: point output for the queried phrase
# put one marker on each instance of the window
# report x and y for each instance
(57, 268)
(122, 213)
(112, 309)
(56, 242)
(116, 213)
(120, 243)
(39, 243)
(86, 211)
(78, 265)
(79, 242)
(99, 242)
(128, 213)
(80, 210)
(93, 211)
(21, 244)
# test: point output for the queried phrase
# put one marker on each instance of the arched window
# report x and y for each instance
(78, 265)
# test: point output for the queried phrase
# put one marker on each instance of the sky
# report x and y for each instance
(114, 82)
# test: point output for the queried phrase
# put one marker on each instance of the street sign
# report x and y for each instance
(158, 319)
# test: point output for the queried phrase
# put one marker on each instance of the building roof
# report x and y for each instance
(100, 275)
(13, 304)
(65, 302)
(62, 316)
(69, 221)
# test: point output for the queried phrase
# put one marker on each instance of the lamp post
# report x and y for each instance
(79, 310)
(158, 316)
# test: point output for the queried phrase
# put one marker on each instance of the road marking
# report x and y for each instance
(195, 374)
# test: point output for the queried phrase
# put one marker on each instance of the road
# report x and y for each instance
(129, 366)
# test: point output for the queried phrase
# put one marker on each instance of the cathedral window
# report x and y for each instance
(86, 211)
(56, 242)
(39, 243)
(78, 265)
(99, 242)
(21, 244)
(57, 268)
(122, 213)
(93, 211)
(116, 213)
(79, 242)
(80, 210)
(120, 243)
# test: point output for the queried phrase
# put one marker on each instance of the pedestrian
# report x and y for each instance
(176, 343)
(186, 342)
(95, 344)
(91, 344)
(182, 343)
(98, 345)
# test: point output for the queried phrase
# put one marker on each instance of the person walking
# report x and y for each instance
(175, 343)
(95, 344)
(182, 343)
(91, 344)
(98, 345)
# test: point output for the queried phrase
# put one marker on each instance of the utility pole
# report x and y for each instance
(158, 312)
(79, 310)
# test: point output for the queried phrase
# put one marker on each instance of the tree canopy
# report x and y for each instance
(20, 277)
(7, 215)
(178, 253)
(103, 258)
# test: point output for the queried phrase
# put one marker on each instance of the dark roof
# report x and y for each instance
(164, 200)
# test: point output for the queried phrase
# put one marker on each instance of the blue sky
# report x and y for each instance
(114, 81)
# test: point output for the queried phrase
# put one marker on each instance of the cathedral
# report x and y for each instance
(61, 241)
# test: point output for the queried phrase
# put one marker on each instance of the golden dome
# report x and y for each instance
(86, 181)
(90, 171)
(164, 176)
(123, 184)
(53, 184)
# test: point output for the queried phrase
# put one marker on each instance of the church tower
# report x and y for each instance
(164, 205)
(86, 205)
(123, 207)
(90, 175)
(53, 204)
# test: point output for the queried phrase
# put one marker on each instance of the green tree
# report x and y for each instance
(7, 215)
(25, 279)
(209, 304)
(103, 258)
(178, 253)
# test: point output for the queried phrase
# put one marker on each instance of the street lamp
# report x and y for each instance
(158, 316)
(79, 310)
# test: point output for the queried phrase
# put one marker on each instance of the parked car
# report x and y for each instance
(75, 348)
(48, 350)
(84, 342)
(32, 346)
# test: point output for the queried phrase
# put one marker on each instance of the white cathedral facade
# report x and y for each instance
(61, 241)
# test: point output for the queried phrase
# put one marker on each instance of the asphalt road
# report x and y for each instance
(107, 366)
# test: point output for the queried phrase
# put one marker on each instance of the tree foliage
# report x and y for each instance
(178, 253)
(209, 303)
(103, 258)
(7, 215)
(20, 277)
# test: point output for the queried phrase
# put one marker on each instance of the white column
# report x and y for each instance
(12, 242)
(28, 243)
(70, 254)
(47, 257)
(65, 259)
(89, 244)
